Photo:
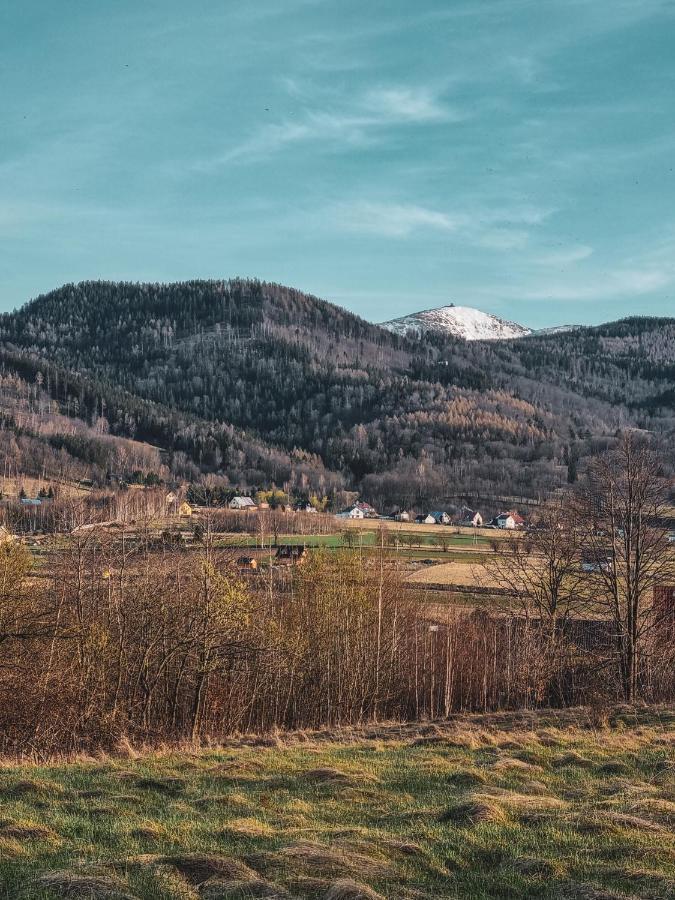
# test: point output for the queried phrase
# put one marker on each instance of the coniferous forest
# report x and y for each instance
(259, 385)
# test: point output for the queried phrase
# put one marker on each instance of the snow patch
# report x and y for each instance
(459, 321)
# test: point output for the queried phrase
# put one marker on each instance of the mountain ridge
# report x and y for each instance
(256, 383)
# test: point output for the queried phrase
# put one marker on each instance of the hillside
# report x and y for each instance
(522, 805)
(262, 383)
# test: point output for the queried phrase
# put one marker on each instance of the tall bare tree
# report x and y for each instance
(539, 570)
(620, 510)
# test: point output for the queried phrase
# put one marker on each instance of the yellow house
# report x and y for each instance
(185, 509)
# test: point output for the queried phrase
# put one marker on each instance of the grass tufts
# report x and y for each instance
(345, 889)
(197, 868)
(319, 859)
(477, 811)
(240, 890)
(87, 887)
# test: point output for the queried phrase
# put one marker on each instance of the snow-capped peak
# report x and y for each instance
(460, 321)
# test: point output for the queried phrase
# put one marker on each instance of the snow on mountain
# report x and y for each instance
(558, 329)
(460, 321)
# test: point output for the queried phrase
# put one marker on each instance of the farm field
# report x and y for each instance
(401, 542)
(465, 572)
(415, 528)
(555, 804)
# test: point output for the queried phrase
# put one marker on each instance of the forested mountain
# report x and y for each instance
(260, 383)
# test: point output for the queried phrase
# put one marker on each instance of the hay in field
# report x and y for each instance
(322, 860)
(248, 828)
(467, 778)
(197, 868)
(477, 811)
(218, 889)
(148, 831)
(328, 775)
(84, 887)
(31, 788)
(345, 889)
(572, 758)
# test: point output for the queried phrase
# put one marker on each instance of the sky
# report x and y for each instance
(513, 155)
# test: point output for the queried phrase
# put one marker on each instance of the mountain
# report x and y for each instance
(457, 321)
(253, 384)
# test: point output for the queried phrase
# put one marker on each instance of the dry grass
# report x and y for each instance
(520, 805)
(477, 811)
(87, 887)
(466, 574)
(346, 889)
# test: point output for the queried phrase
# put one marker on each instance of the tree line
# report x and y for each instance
(118, 637)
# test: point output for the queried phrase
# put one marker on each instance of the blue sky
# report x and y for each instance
(514, 155)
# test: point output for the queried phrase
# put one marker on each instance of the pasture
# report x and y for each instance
(552, 804)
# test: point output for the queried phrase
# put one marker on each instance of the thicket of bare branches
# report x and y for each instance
(121, 634)
(623, 503)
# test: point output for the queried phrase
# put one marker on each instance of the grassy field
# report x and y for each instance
(567, 805)
(398, 541)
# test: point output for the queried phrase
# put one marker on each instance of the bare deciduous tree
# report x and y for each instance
(620, 513)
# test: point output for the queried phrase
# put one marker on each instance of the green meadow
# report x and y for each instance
(574, 804)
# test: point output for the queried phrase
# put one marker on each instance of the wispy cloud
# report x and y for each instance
(391, 219)
(617, 283)
(498, 228)
(352, 121)
(564, 256)
(406, 104)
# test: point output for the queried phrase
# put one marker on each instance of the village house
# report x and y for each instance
(425, 519)
(402, 516)
(508, 520)
(369, 512)
(290, 554)
(468, 518)
(358, 510)
(185, 510)
(440, 517)
(305, 508)
(247, 562)
(245, 503)
(352, 512)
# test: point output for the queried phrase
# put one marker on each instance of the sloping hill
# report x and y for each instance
(265, 383)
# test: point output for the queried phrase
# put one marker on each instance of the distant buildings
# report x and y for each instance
(508, 520)
(359, 510)
(242, 503)
(469, 519)
(352, 512)
(440, 517)
(290, 555)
